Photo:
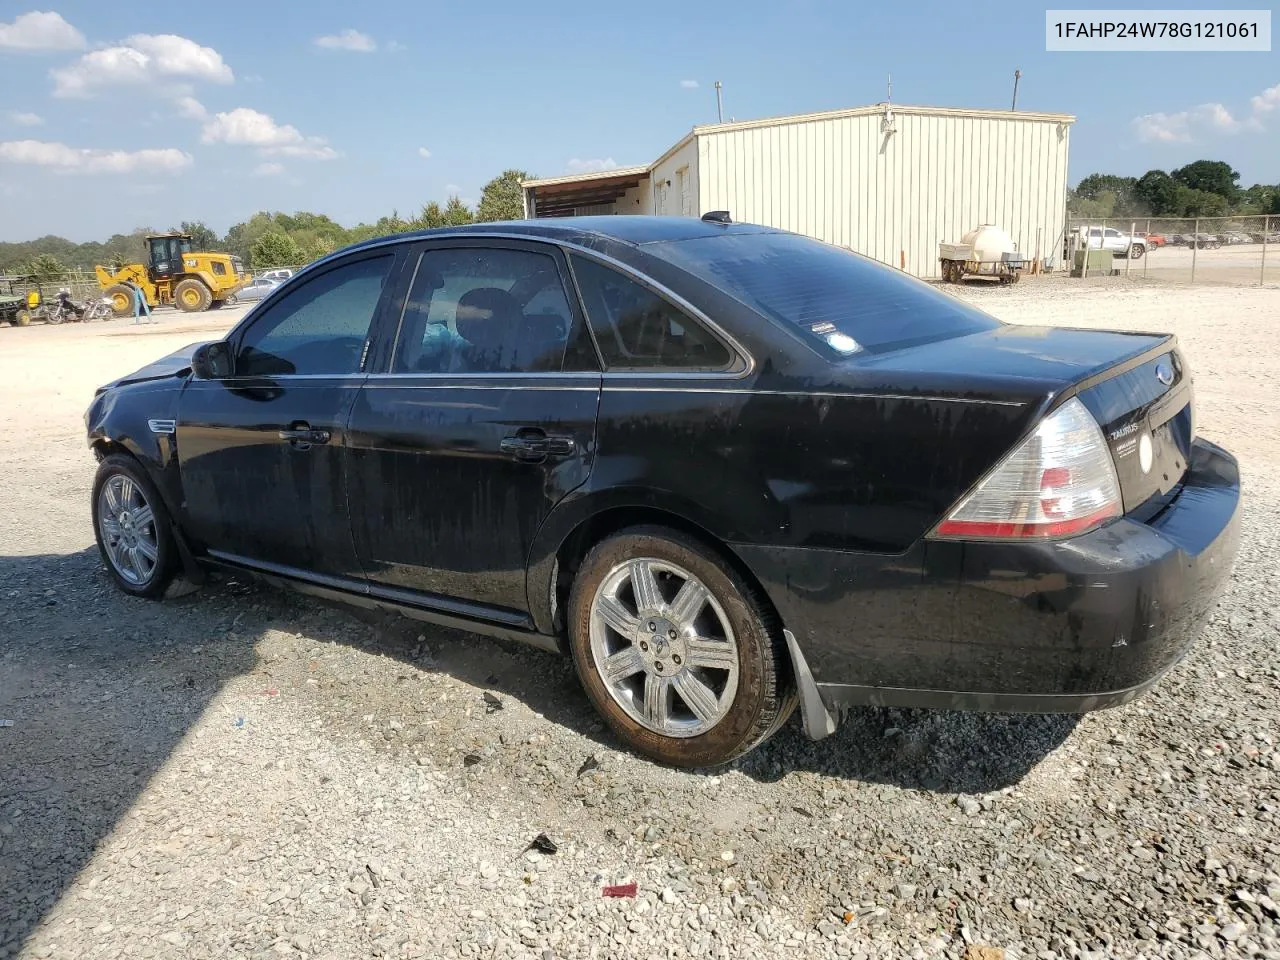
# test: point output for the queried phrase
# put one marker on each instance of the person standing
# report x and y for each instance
(140, 306)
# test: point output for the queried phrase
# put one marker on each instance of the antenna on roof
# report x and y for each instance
(889, 97)
(719, 103)
(717, 216)
(1017, 75)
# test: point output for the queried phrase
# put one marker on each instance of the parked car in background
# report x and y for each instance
(257, 289)
(280, 275)
(1233, 237)
(725, 468)
(1119, 243)
(1175, 240)
(1153, 239)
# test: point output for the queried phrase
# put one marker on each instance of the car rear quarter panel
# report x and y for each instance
(786, 474)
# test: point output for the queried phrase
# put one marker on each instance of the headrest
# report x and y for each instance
(487, 317)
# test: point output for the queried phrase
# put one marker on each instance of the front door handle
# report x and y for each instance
(534, 445)
(301, 436)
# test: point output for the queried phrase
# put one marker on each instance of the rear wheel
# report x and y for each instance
(121, 298)
(22, 318)
(192, 296)
(679, 655)
(132, 528)
(1136, 251)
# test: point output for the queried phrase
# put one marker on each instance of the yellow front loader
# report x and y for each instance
(174, 276)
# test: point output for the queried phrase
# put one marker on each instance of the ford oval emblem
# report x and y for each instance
(1164, 373)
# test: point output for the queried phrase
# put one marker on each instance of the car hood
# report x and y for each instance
(176, 364)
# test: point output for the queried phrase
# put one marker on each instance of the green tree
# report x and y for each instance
(1201, 203)
(45, 268)
(430, 217)
(503, 197)
(1159, 192)
(1210, 176)
(203, 239)
(274, 249)
(457, 213)
(1092, 208)
(1122, 189)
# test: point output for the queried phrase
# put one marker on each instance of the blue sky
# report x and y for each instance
(127, 114)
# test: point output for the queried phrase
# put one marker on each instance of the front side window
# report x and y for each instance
(639, 330)
(319, 327)
(219, 267)
(484, 310)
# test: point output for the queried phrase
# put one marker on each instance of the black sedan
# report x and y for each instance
(726, 468)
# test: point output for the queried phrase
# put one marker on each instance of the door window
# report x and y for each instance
(638, 329)
(319, 327)
(484, 310)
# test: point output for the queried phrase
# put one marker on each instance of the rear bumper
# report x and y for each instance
(1070, 626)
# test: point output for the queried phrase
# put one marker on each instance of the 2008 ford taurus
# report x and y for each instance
(726, 468)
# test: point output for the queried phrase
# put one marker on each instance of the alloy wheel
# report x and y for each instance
(127, 524)
(663, 646)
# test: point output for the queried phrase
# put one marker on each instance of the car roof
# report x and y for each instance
(629, 229)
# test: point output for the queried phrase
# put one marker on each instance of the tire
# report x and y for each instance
(750, 686)
(121, 299)
(121, 534)
(1136, 251)
(192, 296)
(22, 319)
(54, 316)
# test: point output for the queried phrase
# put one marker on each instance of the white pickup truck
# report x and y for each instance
(1119, 243)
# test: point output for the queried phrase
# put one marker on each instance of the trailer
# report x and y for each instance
(986, 251)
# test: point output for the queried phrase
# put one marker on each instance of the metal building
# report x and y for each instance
(888, 181)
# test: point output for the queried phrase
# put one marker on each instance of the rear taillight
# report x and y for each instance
(1058, 482)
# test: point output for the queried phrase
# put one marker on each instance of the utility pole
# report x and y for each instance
(719, 103)
(1017, 75)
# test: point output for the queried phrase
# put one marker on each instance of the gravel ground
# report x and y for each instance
(243, 773)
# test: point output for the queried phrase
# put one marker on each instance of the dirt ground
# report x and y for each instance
(244, 773)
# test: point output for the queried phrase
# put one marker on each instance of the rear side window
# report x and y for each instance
(847, 303)
(639, 330)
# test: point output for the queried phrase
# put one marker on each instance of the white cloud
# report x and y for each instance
(246, 127)
(143, 59)
(689, 84)
(40, 31)
(591, 166)
(1208, 119)
(26, 119)
(191, 108)
(268, 170)
(452, 189)
(352, 40)
(424, 153)
(1187, 125)
(63, 158)
(1267, 100)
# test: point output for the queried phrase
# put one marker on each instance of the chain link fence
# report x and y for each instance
(1240, 251)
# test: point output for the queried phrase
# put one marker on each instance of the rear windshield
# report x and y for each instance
(849, 304)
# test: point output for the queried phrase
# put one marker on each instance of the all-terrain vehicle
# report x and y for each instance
(20, 299)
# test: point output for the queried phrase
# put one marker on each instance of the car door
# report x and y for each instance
(482, 421)
(261, 451)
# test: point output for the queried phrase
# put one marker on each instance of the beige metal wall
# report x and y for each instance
(842, 180)
(667, 198)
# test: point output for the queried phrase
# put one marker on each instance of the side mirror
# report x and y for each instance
(212, 361)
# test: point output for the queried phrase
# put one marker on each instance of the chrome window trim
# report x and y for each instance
(750, 391)
(490, 375)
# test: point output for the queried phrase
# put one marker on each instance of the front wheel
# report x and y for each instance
(132, 528)
(680, 655)
(1136, 251)
(192, 296)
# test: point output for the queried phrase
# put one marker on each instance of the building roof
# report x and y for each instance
(604, 176)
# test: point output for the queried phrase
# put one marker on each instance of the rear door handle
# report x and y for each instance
(301, 436)
(534, 446)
